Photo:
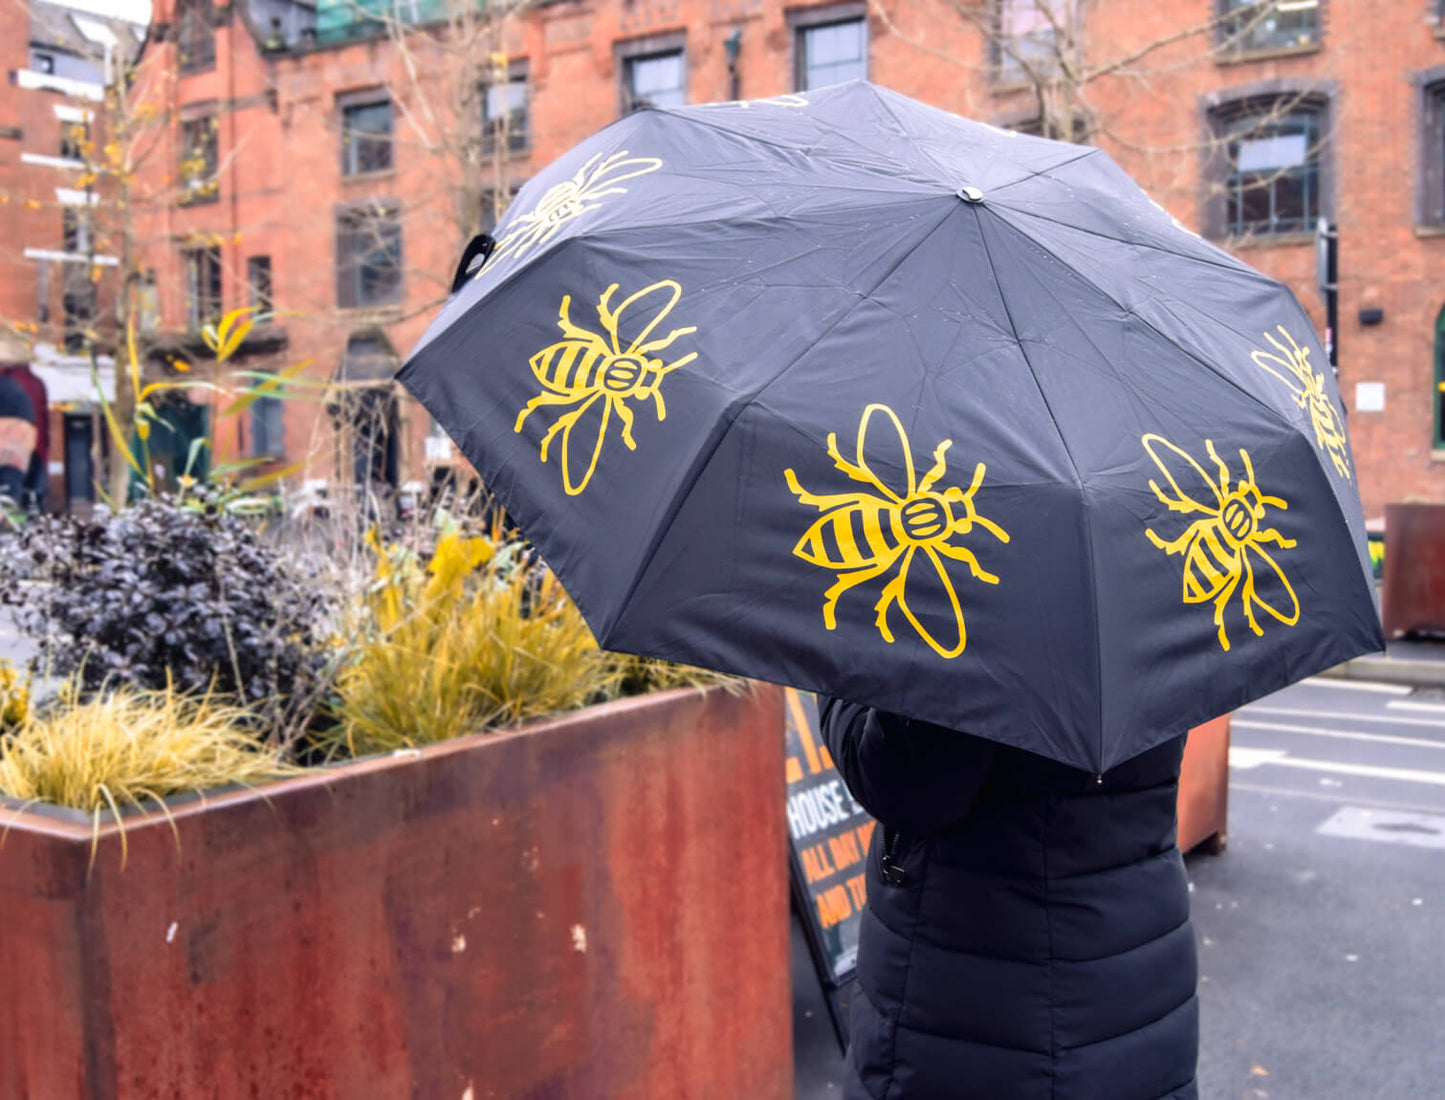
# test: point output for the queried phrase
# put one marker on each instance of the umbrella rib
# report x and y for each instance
(1064, 442)
(1130, 311)
(705, 455)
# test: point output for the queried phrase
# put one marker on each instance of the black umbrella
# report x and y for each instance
(843, 391)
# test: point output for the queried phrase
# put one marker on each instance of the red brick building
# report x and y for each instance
(56, 273)
(337, 165)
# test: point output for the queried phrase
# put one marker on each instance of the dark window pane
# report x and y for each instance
(1028, 36)
(368, 258)
(258, 284)
(656, 81)
(1266, 25)
(195, 40)
(268, 435)
(504, 109)
(203, 286)
(833, 53)
(1273, 183)
(366, 138)
(200, 157)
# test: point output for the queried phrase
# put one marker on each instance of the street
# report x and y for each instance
(1320, 927)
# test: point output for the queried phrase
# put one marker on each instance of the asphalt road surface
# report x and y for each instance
(1322, 927)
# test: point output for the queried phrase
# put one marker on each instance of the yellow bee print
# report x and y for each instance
(570, 199)
(1224, 549)
(597, 372)
(1290, 363)
(867, 533)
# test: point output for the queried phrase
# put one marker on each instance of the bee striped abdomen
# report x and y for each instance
(567, 364)
(1209, 557)
(848, 538)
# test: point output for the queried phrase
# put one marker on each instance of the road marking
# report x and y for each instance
(1323, 796)
(1401, 704)
(1358, 685)
(1390, 826)
(1349, 735)
(1246, 758)
(1299, 712)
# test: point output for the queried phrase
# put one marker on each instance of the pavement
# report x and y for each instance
(1415, 662)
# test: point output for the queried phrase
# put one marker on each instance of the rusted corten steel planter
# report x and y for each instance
(593, 907)
(1414, 584)
(1204, 787)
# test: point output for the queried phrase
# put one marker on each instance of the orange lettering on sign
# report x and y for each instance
(859, 889)
(805, 733)
(825, 756)
(833, 906)
(793, 770)
(845, 850)
(865, 834)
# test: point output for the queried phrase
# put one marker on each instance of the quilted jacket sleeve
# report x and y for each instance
(912, 776)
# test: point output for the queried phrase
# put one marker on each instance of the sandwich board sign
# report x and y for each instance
(828, 835)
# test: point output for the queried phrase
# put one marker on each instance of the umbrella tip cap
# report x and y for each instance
(970, 194)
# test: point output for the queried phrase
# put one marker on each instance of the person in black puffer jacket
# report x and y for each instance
(1027, 932)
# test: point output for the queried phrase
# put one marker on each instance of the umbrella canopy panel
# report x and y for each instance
(848, 393)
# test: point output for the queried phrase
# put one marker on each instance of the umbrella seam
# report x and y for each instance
(1233, 265)
(741, 405)
(1078, 478)
(1131, 312)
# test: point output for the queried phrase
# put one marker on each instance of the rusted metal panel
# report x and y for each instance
(1414, 588)
(1204, 786)
(595, 907)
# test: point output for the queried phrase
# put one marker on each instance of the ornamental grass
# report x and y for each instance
(475, 639)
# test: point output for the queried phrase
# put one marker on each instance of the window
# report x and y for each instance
(199, 159)
(203, 286)
(1075, 129)
(1432, 150)
(366, 138)
(830, 53)
(42, 63)
(368, 257)
(258, 284)
(494, 205)
(504, 115)
(77, 303)
(1029, 36)
(1271, 160)
(654, 80)
(1247, 26)
(74, 136)
(268, 427)
(1439, 401)
(195, 40)
(75, 230)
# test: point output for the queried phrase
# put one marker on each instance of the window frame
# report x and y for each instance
(519, 139)
(1006, 70)
(1430, 176)
(629, 54)
(1280, 99)
(205, 186)
(803, 23)
(267, 425)
(194, 34)
(260, 286)
(351, 158)
(351, 222)
(1230, 46)
(1437, 442)
(202, 287)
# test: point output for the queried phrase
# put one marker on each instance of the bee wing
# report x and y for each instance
(930, 602)
(1193, 490)
(582, 442)
(647, 308)
(885, 457)
(1290, 365)
(1268, 587)
(617, 168)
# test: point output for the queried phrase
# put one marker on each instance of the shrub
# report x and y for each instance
(169, 594)
(475, 639)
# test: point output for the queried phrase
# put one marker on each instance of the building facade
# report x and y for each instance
(57, 272)
(333, 159)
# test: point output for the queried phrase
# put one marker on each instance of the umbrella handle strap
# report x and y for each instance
(481, 245)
